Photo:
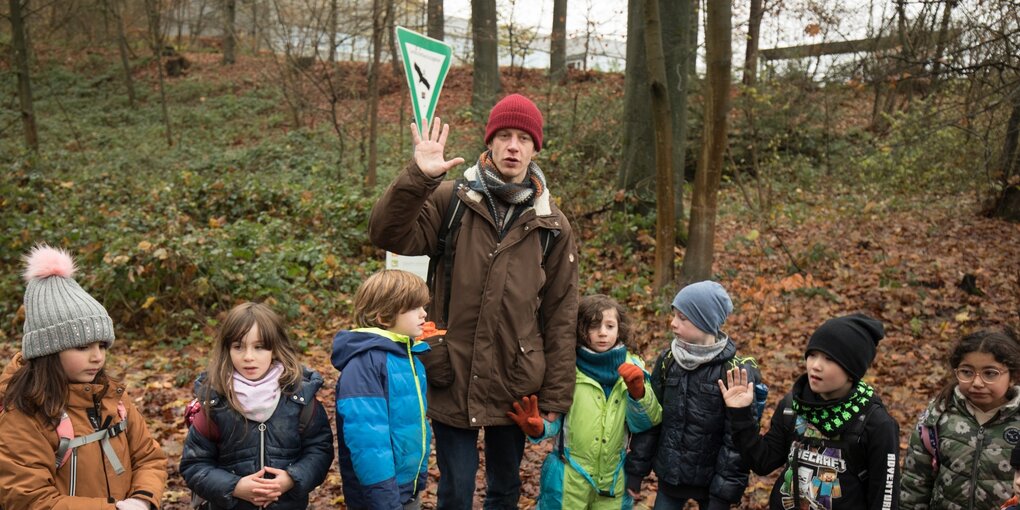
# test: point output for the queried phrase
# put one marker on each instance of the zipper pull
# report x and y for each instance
(262, 445)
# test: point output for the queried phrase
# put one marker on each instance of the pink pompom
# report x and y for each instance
(45, 261)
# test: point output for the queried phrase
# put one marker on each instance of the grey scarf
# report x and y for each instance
(502, 195)
(692, 356)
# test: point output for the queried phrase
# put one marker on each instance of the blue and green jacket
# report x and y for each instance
(382, 433)
(585, 467)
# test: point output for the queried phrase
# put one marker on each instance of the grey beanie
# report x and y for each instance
(59, 314)
(706, 304)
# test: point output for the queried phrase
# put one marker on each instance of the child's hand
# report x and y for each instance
(737, 391)
(635, 379)
(281, 481)
(527, 417)
(132, 504)
(254, 487)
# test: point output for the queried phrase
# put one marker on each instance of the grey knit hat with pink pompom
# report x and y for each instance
(59, 314)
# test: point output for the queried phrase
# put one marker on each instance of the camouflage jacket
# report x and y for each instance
(973, 461)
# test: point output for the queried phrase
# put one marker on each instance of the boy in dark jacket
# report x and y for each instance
(692, 451)
(839, 444)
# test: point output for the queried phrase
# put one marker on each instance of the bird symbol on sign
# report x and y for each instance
(421, 77)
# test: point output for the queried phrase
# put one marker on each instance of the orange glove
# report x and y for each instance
(527, 417)
(429, 330)
(635, 379)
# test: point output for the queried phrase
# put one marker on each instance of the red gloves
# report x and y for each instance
(527, 417)
(635, 379)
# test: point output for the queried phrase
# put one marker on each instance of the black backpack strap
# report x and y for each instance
(664, 362)
(854, 436)
(307, 412)
(548, 240)
(444, 249)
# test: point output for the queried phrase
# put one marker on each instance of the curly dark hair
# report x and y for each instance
(1002, 344)
(589, 315)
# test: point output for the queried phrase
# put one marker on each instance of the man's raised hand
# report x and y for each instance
(737, 391)
(428, 152)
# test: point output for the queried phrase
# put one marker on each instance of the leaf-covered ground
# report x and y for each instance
(823, 252)
(902, 266)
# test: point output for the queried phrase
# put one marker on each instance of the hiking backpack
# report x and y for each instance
(444, 249)
(68, 443)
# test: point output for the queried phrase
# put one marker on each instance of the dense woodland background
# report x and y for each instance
(188, 172)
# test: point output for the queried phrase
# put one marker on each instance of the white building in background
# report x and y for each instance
(584, 51)
(593, 52)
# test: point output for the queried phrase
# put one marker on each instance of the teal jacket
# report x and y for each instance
(585, 467)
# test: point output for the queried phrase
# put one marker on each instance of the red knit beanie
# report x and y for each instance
(517, 112)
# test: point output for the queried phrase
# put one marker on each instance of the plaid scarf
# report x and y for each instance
(830, 418)
(497, 191)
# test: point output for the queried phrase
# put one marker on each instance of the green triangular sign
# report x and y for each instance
(426, 62)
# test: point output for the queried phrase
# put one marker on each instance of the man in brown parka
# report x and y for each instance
(513, 302)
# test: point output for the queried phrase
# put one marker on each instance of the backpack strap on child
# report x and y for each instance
(68, 444)
(928, 433)
(195, 417)
(564, 453)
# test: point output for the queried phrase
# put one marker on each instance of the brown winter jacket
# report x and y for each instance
(511, 321)
(29, 480)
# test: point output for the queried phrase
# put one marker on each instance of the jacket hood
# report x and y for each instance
(311, 381)
(16, 362)
(349, 343)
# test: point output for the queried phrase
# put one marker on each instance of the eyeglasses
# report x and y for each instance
(988, 375)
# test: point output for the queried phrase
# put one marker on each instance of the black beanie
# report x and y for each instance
(1014, 460)
(850, 341)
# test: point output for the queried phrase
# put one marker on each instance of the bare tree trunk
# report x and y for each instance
(373, 91)
(122, 47)
(700, 251)
(20, 43)
(255, 27)
(391, 37)
(558, 42)
(156, 35)
(751, 52)
(638, 163)
(229, 35)
(679, 42)
(198, 26)
(665, 229)
(437, 22)
(484, 36)
(332, 31)
(1008, 162)
(940, 43)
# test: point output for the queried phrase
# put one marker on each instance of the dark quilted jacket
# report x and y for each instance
(213, 469)
(693, 447)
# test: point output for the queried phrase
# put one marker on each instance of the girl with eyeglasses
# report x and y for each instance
(959, 453)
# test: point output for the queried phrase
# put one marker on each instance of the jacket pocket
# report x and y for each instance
(526, 373)
(438, 369)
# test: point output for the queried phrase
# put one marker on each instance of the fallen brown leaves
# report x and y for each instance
(901, 265)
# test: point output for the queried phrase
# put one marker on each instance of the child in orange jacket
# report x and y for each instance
(70, 438)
